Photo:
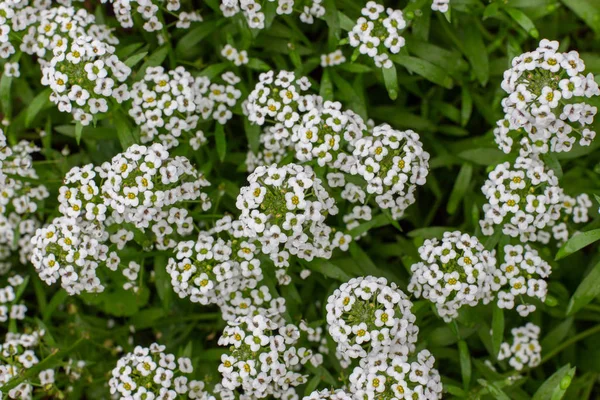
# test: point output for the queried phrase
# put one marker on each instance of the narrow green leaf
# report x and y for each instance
(425, 69)
(154, 60)
(465, 363)
(326, 90)
(476, 52)
(125, 133)
(38, 103)
(466, 106)
(163, 281)
(213, 70)
(390, 78)
(221, 141)
(587, 290)
(346, 23)
(556, 335)
(196, 35)
(78, 131)
(252, 135)
(136, 58)
(460, 187)
(523, 20)
(258, 65)
(497, 329)
(328, 269)
(551, 388)
(578, 242)
(5, 100)
(587, 10)
(482, 156)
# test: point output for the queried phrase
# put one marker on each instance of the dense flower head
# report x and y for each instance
(455, 271)
(19, 353)
(143, 185)
(369, 315)
(393, 163)
(546, 103)
(238, 57)
(215, 99)
(525, 349)
(285, 209)
(280, 98)
(149, 372)
(71, 250)
(275, 144)
(251, 302)
(377, 33)
(522, 274)
(525, 200)
(163, 105)
(83, 75)
(327, 394)
(11, 308)
(211, 268)
(255, 16)
(20, 197)
(382, 376)
(263, 358)
(149, 11)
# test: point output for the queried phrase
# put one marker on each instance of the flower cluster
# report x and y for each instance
(332, 59)
(149, 372)
(255, 17)
(368, 315)
(238, 57)
(546, 103)
(398, 376)
(150, 12)
(525, 349)
(216, 99)
(285, 208)
(454, 272)
(82, 75)
(393, 163)
(10, 307)
(163, 105)
(275, 143)
(18, 355)
(525, 200)
(523, 273)
(440, 5)
(263, 359)
(377, 34)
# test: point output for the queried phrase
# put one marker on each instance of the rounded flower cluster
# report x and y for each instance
(149, 373)
(255, 17)
(217, 99)
(71, 250)
(525, 200)
(383, 376)
(369, 315)
(275, 144)
(20, 197)
(324, 135)
(546, 103)
(83, 75)
(280, 98)
(10, 307)
(525, 349)
(327, 394)
(143, 184)
(285, 209)
(263, 359)
(454, 272)
(251, 302)
(19, 355)
(393, 163)
(150, 12)
(377, 34)
(210, 269)
(523, 273)
(238, 57)
(163, 105)
(332, 59)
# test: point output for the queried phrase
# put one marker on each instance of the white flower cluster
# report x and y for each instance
(210, 270)
(216, 99)
(285, 208)
(393, 163)
(546, 102)
(10, 307)
(368, 315)
(187, 18)
(255, 17)
(523, 273)
(377, 34)
(150, 373)
(332, 59)
(275, 144)
(238, 57)
(20, 198)
(399, 376)
(440, 5)
(454, 272)
(326, 394)
(148, 10)
(82, 75)
(163, 105)
(264, 358)
(18, 355)
(525, 349)
(525, 200)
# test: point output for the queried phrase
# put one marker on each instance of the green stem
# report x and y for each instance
(569, 342)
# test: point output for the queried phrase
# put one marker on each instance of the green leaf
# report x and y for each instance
(163, 281)
(136, 58)
(221, 142)
(326, 90)
(466, 106)
(476, 51)
(196, 35)
(90, 132)
(258, 65)
(556, 335)
(587, 290)
(551, 388)
(523, 20)
(5, 100)
(213, 70)
(425, 69)
(465, 363)
(497, 329)
(39, 102)
(379, 220)
(125, 133)
(390, 78)
(327, 268)
(577, 242)
(482, 156)
(346, 23)
(460, 187)
(587, 10)
(154, 60)
(78, 131)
